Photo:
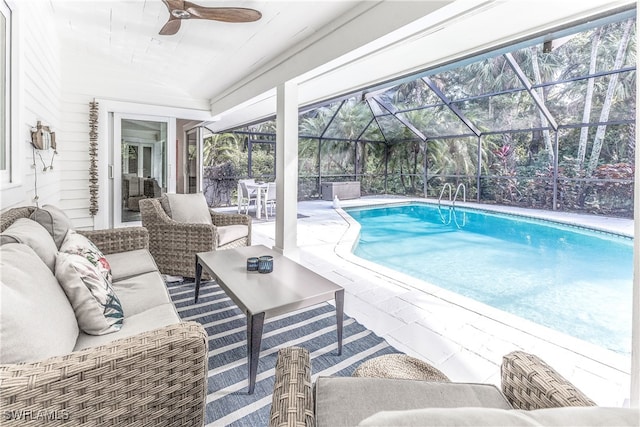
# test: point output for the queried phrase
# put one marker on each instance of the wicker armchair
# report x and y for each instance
(527, 383)
(174, 244)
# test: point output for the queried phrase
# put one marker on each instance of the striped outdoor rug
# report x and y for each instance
(313, 328)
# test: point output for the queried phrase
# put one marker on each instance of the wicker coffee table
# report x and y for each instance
(399, 366)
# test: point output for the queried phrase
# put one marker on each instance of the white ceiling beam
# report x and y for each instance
(363, 24)
(457, 31)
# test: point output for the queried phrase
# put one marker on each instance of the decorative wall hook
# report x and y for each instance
(42, 138)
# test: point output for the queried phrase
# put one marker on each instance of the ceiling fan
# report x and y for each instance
(182, 9)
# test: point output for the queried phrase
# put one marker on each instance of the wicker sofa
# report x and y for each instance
(532, 393)
(174, 244)
(153, 371)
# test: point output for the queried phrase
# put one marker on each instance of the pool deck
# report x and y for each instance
(463, 338)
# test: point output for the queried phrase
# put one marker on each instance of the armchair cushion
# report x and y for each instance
(54, 220)
(189, 208)
(32, 234)
(229, 233)
(37, 319)
(340, 401)
(476, 417)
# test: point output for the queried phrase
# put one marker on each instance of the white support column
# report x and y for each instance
(635, 301)
(287, 168)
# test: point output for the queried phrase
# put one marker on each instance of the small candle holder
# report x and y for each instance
(265, 264)
(252, 264)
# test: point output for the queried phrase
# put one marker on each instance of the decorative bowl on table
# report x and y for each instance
(265, 264)
(252, 264)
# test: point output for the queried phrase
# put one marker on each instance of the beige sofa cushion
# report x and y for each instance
(141, 292)
(54, 220)
(189, 208)
(37, 320)
(153, 318)
(570, 416)
(346, 401)
(229, 233)
(29, 232)
(92, 297)
(131, 263)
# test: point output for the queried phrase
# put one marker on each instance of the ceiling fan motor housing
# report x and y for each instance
(180, 14)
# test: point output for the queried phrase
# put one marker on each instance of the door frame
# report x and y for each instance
(107, 107)
(199, 165)
(169, 161)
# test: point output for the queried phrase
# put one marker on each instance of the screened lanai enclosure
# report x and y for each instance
(547, 126)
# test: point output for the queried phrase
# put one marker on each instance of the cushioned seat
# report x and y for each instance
(478, 417)
(341, 401)
(141, 292)
(230, 233)
(131, 263)
(148, 320)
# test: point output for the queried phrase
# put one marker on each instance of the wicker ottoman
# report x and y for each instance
(399, 366)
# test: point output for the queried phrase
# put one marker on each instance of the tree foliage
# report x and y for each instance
(490, 124)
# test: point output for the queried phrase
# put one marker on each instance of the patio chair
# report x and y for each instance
(269, 199)
(245, 196)
(174, 244)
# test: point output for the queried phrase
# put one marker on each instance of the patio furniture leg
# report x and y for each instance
(198, 277)
(254, 339)
(339, 317)
(258, 213)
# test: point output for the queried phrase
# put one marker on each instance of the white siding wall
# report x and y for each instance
(37, 88)
(75, 178)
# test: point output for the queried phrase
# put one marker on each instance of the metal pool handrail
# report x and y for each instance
(455, 196)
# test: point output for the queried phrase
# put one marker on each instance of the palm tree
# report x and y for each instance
(606, 106)
(221, 148)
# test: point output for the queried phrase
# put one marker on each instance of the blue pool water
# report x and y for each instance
(573, 280)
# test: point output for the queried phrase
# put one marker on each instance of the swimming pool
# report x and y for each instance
(571, 279)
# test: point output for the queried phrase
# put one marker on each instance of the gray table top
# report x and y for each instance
(289, 287)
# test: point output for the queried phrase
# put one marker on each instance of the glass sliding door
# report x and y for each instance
(141, 163)
(193, 163)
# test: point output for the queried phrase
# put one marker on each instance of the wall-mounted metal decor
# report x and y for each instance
(93, 158)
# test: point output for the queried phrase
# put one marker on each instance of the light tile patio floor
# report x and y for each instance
(463, 338)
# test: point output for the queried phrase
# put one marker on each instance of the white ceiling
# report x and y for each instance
(118, 41)
(112, 48)
(204, 55)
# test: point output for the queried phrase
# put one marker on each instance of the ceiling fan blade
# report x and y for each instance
(224, 14)
(171, 27)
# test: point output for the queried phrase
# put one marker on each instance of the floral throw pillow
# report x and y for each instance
(95, 303)
(75, 243)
